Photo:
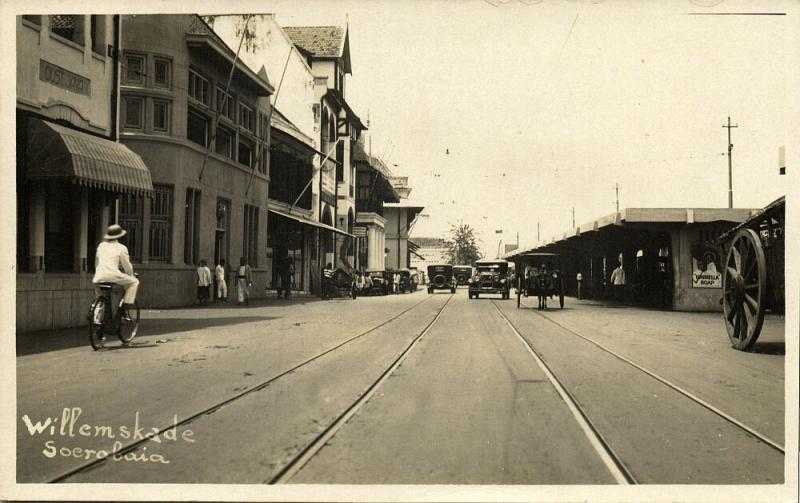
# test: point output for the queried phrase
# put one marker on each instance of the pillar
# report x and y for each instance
(36, 217)
(82, 231)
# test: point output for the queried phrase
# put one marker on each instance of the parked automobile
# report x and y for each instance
(377, 284)
(462, 273)
(491, 276)
(441, 278)
(408, 281)
(340, 284)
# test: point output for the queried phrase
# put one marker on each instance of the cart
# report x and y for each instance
(534, 285)
(753, 280)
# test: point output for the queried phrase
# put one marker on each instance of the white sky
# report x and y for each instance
(544, 107)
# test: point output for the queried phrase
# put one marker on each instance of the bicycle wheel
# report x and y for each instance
(128, 329)
(97, 314)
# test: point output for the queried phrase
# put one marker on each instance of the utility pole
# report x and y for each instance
(730, 162)
(573, 217)
(617, 189)
(537, 232)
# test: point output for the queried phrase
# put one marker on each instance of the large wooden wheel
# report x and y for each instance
(744, 285)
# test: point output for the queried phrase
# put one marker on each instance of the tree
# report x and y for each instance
(462, 245)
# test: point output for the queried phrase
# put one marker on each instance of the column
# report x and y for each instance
(82, 231)
(36, 216)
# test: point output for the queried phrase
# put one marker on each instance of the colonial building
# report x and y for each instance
(70, 168)
(400, 219)
(327, 51)
(203, 127)
(373, 190)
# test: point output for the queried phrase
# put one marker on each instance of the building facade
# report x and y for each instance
(71, 171)
(400, 220)
(203, 126)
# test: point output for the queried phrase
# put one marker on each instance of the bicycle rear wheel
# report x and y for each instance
(129, 328)
(97, 314)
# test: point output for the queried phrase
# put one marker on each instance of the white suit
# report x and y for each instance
(110, 256)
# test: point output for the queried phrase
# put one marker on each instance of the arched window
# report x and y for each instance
(324, 130)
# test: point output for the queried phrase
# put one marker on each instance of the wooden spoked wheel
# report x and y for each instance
(744, 285)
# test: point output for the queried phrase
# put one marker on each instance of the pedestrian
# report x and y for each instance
(618, 280)
(543, 287)
(579, 279)
(222, 286)
(396, 282)
(203, 282)
(327, 281)
(287, 277)
(244, 280)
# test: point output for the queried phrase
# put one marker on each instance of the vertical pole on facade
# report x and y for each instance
(730, 162)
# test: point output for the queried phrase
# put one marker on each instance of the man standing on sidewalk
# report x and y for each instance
(222, 287)
(579, 278)
(244, 279)
(203, 282)
(618, 280)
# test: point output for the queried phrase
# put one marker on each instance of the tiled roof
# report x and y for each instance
(430, 242)
(321, 41)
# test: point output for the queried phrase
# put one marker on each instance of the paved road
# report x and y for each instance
(468, 405)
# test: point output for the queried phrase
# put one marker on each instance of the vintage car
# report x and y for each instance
(416, 277)
(491, 276)
(378, 283)
(441, 278)
(462, 273)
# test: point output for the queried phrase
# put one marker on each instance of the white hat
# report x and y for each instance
(114, 232)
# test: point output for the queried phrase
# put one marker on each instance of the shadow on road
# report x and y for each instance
(769, 348)
(56, 340)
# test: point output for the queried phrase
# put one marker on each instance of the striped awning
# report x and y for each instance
(58, 152)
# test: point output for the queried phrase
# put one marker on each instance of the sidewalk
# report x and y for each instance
(160, 322)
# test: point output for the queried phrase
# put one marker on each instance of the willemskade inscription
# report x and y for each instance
(65, 79)
(67, 427)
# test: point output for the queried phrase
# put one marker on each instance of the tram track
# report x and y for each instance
(317, 443)
(610, 458)
(133, 446)
(749, 430)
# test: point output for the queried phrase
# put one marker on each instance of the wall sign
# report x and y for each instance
(63, 78)
(706, 266)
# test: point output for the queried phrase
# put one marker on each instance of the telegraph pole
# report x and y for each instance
(730, 162)
(617, 189)
(573, 217)
(537, 232)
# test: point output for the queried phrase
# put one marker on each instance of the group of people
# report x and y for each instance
(617, 281)
(244, 280)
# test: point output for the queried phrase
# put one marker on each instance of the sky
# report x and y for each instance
(508, 114)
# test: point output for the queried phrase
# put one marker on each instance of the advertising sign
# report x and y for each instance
(706, 266)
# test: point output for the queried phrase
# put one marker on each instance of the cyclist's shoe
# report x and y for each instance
(123, 314)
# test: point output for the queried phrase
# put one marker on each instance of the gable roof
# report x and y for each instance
(321, 41)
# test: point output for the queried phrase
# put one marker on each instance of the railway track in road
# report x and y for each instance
(603, 446)
(613, 462)
(133, 446)
(308, 452)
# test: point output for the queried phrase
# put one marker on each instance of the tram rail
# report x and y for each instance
(133, 446)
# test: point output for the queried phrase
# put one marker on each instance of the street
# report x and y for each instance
(405, 389)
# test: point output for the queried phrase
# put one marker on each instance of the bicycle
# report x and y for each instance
(103, 320)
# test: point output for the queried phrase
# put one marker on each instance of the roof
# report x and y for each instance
(280, 121)
(321, 41)
(430, 242)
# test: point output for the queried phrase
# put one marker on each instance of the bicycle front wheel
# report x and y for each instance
(129, 328)
(97, 314)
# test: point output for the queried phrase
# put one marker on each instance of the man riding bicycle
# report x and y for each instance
(111, 254)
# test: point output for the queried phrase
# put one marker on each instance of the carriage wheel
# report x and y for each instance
(744, 284)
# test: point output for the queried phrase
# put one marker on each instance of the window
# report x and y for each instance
(160, 219)
(262, 161)
(133, 112)
(246, 119)
(199, 88)
(37, 20)
(161, 116)
(191, 234)
(223, 143)
(264, 126)
(130, 218)
(197, 128)
(250, 232)
(226, 106)
(134, 69)
(340, 158)
(97, 29)
(68, 27)
(245, 152)
(162, 76)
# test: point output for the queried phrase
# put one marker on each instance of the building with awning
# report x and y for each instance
(669, 255)
(71, 170)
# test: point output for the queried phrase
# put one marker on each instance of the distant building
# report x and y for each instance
(429, 251)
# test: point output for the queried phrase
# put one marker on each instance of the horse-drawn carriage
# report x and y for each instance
(753, 278)
(539, 274)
